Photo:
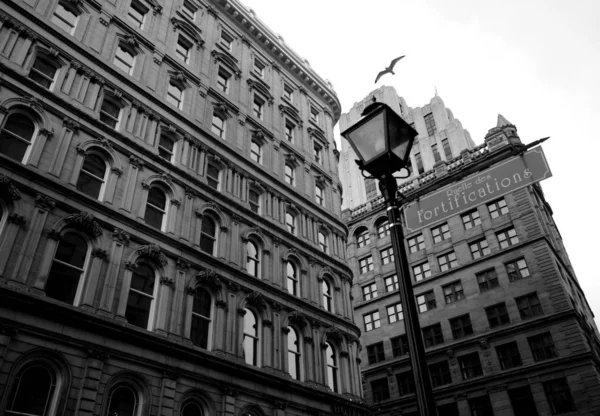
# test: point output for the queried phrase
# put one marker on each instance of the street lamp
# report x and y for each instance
(382, 140)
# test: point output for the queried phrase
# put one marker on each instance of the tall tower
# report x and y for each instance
(506, 326)
(441, 139)
(171, 240)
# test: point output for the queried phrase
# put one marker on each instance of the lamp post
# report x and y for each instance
(382, 140)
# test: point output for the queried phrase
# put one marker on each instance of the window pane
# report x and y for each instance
(191, 409)
(138, 309)
(199, 331)
(32, 391)
(122, 402)
(142, 279)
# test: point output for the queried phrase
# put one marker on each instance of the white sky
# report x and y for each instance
(537, 62)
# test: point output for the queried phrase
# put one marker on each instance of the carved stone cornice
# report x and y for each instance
(154, 253)
(45, 202)
(121, 236)
(84, 221)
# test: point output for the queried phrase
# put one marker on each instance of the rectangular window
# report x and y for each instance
(363, 238)
(529, 306)
(288, 93)
(432, 335)
(372, 321)
(375, 353)
(487, 279)
(436, 154)
(289, 131)
(255, 152)
(440, 374)
(258, 106)
(394, 313)
(416, 243)
(183, 48)
(189, 10)
(391, 283)
(218, 126)
(124, 59)
(421, 271)
(259, 68)
(447, 261)
(43, 73)
(430, 124)
(471, 219)
(517, 270)
(542, 347)
(559, 396)
(314, 115)
(461, 326)
(137, 14)
(109, 113)
(380, 389)
(165, 148)
(453, 292)
(447, 150)
(497, 208)
(318, 153)
(479, 248)
(406, 383)
(481, 406)
(223, 78)
(399, 345)
(387, 255)
(383, 229)
(419, 160)
(497, 315)
(507, 238)
(369, 291)
(440, 233)
(426, 301)
(366, 264)
(522, 401)
(226, 41)
(65, 18)
(254, 201)
(509, 356)
(470, 366)
(175, 95)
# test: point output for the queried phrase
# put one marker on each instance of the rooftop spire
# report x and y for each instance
(503, 121)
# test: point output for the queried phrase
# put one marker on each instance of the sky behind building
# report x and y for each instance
(535, 62)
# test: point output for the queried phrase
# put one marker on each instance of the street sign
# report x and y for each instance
(497, 180)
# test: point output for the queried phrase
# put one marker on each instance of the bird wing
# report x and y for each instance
(395, 60)
(382, 73)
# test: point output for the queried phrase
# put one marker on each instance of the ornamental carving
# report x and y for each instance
(131, 266)
(17, 219)
(167, 281)
(45, 202)
(267, 323)
(100, 253)
(257, 300)
(334, 334)
(84, 221)
(54, 235)
(208, 277)
(308, 340)
(8, 187)
(285, 330)
(97, 354)
(121, 236)
(182, 264)
(221, 304)
(154, 253)
(71, 124)
(298, 319)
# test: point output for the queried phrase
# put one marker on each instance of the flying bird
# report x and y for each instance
(389, 69)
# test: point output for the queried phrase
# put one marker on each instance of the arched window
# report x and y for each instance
(123, 401)
(254, 201)
(65, 281)
(294, 354)
(323, 243)
(363, 237)
(201, 318)
(142, 296)
(33, 392)
(332, 368)
(383, 227)
(16, 136)
(290, 222)
(251, 337)
(175, 95)
(191, 408)
(92, 178)
(208, 235)
(252, 259)
(156, 208)
(327, 295)
(292, 278)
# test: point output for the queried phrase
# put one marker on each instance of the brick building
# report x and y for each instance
(171, 240)
(507, 328)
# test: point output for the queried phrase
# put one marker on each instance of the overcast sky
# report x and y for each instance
(537, 62)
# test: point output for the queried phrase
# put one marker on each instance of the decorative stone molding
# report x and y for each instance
(17, 219)
(285, 330)
(167, 281)
(208, 277)
(334, 334)
(345, 354)
(182, 264)
(45, 202)
(233, 287)
(136, 162)
(267, 323)
(54, 235)
(8, 187)
(221, 304)
(97, 354)
(241, 311)
(298, 319)
(84, 221)
(153, 252)
(229, 391)
(130, 265)
(100, 253)
(71, 124)
(257, 300)
(121, 236)
(308, 340)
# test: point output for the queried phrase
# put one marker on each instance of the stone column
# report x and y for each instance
(266, 264)
(344, 376)
(284, 349)
(43, 206)
(120, 240)
(220, 323)
(277, 277)
(69, 130)
(234, 255)
(267, 343)
(134, 168)
(111, 185)
(93, 276)
(8, 237)
(90, 383)
(171, 215)
(309, 358)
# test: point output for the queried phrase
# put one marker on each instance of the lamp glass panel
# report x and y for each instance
(369, 138)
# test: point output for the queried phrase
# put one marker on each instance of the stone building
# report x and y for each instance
(171, 240)
(506, 326)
